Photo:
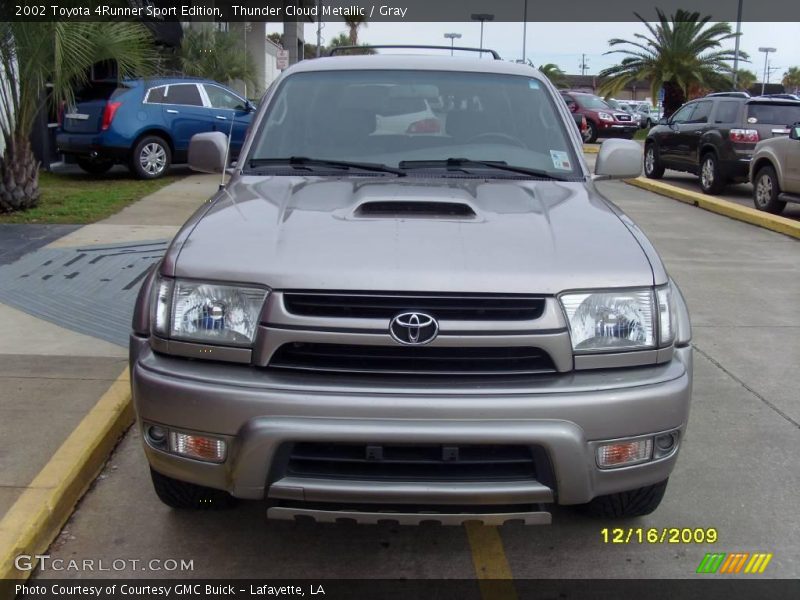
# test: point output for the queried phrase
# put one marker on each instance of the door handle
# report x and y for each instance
(221, 118)
(172, 111)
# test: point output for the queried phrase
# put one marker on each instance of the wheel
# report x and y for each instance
(653, 169)
(590, 133)
(635, 503)
(766, 190)
(94, 166)
(649, 123)
(180, 494)
(711, 180)
(151, 157)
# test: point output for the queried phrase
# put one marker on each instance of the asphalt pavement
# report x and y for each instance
(737, 472)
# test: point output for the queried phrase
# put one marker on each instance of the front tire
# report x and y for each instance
(635, 503)
(653, 168)
(151, 157)
(711, 179)
(94, 166)
(183, 495)
(766, 190)
(590, 134)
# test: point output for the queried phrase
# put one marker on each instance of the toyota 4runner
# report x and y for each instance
(446, 322)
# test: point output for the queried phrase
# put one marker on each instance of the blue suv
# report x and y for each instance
(147, 123)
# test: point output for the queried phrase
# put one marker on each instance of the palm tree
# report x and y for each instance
(344, 40)
(791, 80)
(680, 53)
(746, 79)
(554, 74)
(353, 24)
(35, 54)
(217, 55)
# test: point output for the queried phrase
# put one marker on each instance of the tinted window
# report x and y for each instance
(221, 98)
(185, 93)
(587, 101)
(481, 116)
(156, 95)
(727, 112)
(684, 113)
(773, 114)
(701, 112)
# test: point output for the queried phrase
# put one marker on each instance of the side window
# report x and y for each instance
(221, 98)
(156, 95)
(571, 104)
(727, 112)
(683, 114)
(184, 93)
(701, 112)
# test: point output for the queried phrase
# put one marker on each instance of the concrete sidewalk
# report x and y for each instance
(51, 376)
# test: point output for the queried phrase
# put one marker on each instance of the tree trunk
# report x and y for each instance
(19, 177)
(674, 98)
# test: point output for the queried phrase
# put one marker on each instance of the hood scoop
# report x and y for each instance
(410, 209)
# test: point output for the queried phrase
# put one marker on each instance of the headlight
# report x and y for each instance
(612, 321)
(605, 116)
(207, 312)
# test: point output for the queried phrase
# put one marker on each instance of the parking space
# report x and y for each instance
(736, 473)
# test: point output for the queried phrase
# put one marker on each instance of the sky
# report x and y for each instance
(563, 43)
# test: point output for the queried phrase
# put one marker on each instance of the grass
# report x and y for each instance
(79, 198)
(641, 134)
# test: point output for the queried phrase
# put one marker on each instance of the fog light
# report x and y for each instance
(157, 435)
(620, 454)
(665, 444)
(197, 446)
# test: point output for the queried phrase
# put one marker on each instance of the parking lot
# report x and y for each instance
(736, 474)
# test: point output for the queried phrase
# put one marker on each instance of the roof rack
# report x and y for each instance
(339, 49)
(729, 94)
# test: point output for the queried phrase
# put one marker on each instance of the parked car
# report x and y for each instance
(418, 328)
(775, 171)
(714, 137)
(146, 124)
(648, 115)
(601, 119)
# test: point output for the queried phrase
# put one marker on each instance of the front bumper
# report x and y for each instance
(609, 129)
(257, 412)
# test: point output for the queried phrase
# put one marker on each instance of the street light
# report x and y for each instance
(766, 52)
(452, 37)
(482, 17)
(736, 50)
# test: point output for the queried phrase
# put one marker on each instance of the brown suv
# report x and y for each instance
(601, 119)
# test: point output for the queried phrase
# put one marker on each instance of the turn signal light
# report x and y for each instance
(197, 446)
(620, 454)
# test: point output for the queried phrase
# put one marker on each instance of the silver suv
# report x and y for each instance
(440, 321)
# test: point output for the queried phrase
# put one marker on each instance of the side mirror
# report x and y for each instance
(250, 107)
(794, 132)
(619, 159)
(663, 121)
(207, 152)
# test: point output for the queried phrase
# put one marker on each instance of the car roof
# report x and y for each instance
(167, 80)
(414, 62)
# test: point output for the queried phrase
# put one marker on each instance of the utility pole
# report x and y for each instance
(583, 66)
(766, 52)
(319, 27)
(524, 29)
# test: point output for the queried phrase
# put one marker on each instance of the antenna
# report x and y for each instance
(227, 152)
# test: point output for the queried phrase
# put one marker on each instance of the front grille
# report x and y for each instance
(412, 360)
(447, 307)
(413, 462)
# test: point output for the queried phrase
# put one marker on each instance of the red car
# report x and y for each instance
(601, 119)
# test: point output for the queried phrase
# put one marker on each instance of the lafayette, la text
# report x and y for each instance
(196, 590)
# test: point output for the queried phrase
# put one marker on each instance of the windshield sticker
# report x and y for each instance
(752, 120)
(560, 160)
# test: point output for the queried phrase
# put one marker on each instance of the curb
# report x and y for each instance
(746, 214)
(36, 518)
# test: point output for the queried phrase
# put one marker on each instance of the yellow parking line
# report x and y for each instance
(37, 516)
(489, 559)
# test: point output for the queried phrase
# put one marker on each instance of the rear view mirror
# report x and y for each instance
(619, 159)
(207, 152)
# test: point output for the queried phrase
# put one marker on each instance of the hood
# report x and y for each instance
(358, 234)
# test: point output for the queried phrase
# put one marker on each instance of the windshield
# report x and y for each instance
(592, 102)
(390, 117)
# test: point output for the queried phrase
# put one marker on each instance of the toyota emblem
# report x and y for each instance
(413, 329)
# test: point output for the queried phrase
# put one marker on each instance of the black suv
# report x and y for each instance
(714, 137)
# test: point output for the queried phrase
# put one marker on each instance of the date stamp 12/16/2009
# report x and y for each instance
(659, 535)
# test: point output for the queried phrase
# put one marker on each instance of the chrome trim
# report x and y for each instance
(410, 492)
(333, 516)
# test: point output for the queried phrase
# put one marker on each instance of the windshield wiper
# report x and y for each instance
(459, 163)
(304, 161)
